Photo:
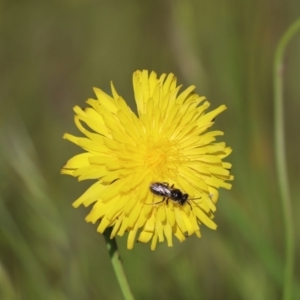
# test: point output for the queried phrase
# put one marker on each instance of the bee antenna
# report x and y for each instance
(195, 198)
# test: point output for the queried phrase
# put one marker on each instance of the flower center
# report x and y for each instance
(161, 157)
(155, 158)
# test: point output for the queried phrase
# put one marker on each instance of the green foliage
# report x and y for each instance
(52, 53)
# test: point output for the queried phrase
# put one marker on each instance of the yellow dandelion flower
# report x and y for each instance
(158, 172)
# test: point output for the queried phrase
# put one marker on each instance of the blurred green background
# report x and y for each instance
(51, 55)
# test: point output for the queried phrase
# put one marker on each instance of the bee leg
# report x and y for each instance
(157, 202)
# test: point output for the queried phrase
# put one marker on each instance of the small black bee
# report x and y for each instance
(169, 192)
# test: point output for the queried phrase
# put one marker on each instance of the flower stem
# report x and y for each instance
(117, 264)
(281, 159)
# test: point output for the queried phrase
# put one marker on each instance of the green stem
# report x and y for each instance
(117, 264)
(281, 159)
